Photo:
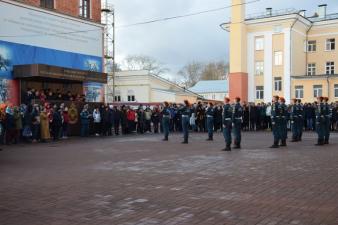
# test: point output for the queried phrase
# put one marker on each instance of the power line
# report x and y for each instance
(185, 15)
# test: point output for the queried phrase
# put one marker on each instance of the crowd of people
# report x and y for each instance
(31, 122)
(46, 95)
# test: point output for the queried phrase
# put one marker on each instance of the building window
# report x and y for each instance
(259, 92)
(299, 92)
(131, 96)
(117, 98)
(278, 83)
(49, 4)
(259, 45)
(278, 58)
(317, 90)
(336, 90)
(329, 68)
(84, 8)
(213, 96)
(259, 68)
(311, 46)
(330, 44)
(311, 69)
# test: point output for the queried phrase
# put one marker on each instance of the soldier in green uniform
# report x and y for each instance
(275, 121)
(328, 116)
(166, 121)
(210, 113)
(301, 115)
(227, 124)
(320, 121)
(294, 120)
(186, 113)
(237, 117)
(283, 120)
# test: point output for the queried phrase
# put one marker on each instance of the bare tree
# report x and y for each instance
(191, 73)
(215, 71)
(142, 62)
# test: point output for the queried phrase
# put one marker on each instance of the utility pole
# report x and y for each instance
(108, 14)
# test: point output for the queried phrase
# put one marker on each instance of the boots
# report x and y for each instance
(227, 148)
(320, 142)
(185, 141)
(326, 142)
(275, 145)
(210, 139)
(283, 144)
(165, 139)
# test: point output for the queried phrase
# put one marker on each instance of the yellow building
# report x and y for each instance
(285, 53)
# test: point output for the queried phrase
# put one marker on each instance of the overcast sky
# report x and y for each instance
(198, 38)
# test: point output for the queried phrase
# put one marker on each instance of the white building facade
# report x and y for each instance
(215, 90)
(143, 87)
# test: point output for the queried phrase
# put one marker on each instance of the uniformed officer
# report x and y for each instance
(227, 124)
(237, 117)
(328, 117)
(166, 120)
(210, 113)
(283, 120)
(320, 121)
(186, 113)
(294, 120)
(301, 115)
(275, 117)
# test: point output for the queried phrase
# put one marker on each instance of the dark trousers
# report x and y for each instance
(227, 133)
(97, 128)
(56, 132)
(147, 126)
(185, 127)
(165, 125)
(116, 127)
(210, 126)
(237, 132)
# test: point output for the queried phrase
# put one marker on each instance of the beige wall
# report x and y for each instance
(298, 64)
(308, 88)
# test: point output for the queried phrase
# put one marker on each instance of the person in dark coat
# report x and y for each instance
(9, 125)
(155, 118)
(107, 121)
(56, 123)
(116, 115)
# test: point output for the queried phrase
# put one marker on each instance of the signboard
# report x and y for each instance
(54, 72)
(41, 28)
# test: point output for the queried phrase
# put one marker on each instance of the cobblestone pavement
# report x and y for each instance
(141, 180)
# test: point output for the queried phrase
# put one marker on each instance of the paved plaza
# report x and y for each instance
(140, 180)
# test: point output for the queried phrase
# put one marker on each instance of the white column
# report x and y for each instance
(251, 68)
(268, 56)
(287, 65)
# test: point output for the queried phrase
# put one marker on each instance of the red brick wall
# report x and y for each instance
(71, 7)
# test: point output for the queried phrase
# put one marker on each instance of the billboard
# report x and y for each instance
(32, 36)
(41, 28)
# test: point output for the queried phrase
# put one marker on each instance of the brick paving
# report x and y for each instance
(143, 181)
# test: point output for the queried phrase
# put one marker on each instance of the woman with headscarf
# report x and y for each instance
(44, 125)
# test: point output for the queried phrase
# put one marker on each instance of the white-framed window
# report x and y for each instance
(336, 90)
(259, 92)
(311, 69)
(299, 91)
(311, 46)
(329, 68)
(330, 44)
(131, 96)
(317, 90)
(84, 8)
(259, 44)
(117, 98)
(278, 83)
(278, 58)
(259, 70)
